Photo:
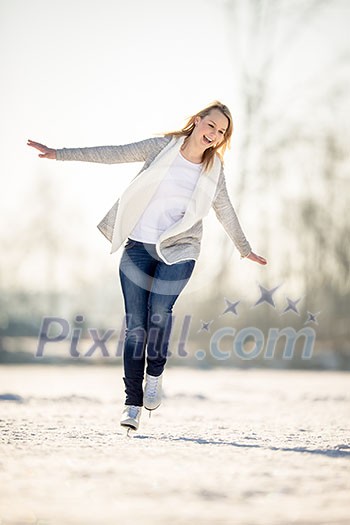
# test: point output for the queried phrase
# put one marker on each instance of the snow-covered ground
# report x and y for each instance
(225, 447)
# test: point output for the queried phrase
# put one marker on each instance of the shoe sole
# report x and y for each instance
(129, 425)
(132, 427)
(150, 409)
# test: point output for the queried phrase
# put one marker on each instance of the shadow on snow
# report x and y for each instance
(338, 451)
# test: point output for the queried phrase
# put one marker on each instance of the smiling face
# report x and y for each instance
(210, 130)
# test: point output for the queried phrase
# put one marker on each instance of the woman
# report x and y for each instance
(160, 218)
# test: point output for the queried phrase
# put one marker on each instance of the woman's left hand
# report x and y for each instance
(256, 258)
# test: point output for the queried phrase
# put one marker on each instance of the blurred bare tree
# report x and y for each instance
(41, 253)
(284, 132)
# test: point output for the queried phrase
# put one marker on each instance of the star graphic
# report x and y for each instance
(292, 305)
(231, 307)
(312, 318)
(266, 296)
(205, 326)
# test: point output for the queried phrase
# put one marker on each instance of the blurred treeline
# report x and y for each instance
(292, 159)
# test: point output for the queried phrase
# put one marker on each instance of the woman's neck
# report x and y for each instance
(191, 151)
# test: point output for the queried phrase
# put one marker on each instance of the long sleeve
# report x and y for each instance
(228, 218)
(133, 152)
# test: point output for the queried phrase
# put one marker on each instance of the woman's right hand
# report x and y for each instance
(46, 153)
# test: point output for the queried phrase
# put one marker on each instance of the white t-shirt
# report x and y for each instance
(168, 204)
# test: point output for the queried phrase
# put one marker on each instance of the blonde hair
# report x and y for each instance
(209, 154)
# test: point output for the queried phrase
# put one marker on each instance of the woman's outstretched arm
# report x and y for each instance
(227, 216)
(133, 152)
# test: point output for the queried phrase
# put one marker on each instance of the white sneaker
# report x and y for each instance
(131, 416)
(152, 395)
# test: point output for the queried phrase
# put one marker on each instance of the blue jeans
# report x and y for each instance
(150, 288)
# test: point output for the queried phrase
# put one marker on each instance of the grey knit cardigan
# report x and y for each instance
(174, 248)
